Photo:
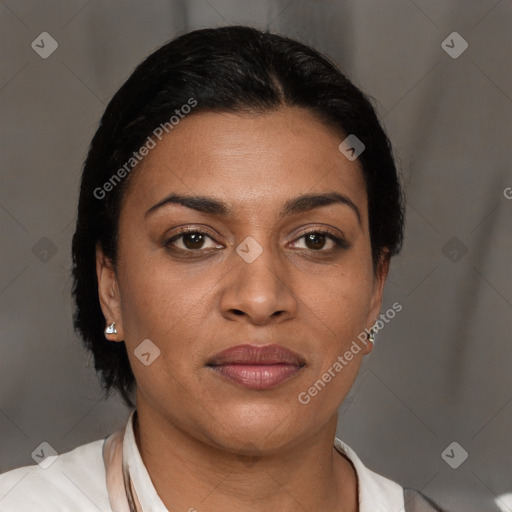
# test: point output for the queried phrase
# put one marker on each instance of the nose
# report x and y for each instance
(261, 290)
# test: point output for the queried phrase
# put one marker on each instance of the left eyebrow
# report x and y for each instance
(307, 202)
(299, 204)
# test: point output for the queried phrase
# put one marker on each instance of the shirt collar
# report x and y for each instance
(146, 492)
(375, 492)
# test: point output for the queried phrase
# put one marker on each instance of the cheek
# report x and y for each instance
(160, 302)
(151, 297)
(337, 308)
(341, 300)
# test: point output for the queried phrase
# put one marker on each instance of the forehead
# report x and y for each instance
(247, 159)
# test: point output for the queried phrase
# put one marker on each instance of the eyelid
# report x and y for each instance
(324, 230)
(194, 229)
(183, 230)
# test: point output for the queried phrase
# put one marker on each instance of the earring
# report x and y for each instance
(111, 329)
(371, 335)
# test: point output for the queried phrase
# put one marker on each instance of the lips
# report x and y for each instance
(256, 354)
(257, 366)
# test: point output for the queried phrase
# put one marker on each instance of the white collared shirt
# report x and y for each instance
(75, 482)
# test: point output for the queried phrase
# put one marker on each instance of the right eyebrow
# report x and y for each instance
(203, 204)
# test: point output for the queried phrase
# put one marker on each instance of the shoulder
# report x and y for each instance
(74, 480)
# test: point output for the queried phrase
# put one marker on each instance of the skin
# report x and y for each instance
(207, 442)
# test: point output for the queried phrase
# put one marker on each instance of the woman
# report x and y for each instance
(238, 210)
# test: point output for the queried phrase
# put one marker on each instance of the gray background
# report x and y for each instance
(440, 371)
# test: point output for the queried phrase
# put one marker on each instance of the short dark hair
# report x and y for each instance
(228, 69)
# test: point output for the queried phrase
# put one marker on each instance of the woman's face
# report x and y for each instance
(257, 274)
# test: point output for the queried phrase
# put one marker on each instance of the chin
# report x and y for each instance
(263, 430)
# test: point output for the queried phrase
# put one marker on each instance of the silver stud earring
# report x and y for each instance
(111, 329)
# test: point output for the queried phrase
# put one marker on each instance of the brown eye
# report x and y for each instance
(193, 240)
(317, 240)
(189, 240)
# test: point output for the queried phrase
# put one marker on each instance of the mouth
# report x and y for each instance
(257, 367)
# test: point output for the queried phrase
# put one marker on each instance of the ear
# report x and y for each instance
(379, 281)
(109, 294)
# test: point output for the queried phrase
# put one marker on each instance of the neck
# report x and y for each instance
(189, 474)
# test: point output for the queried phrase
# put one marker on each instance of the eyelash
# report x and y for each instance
(339, 242)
